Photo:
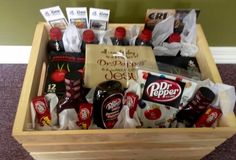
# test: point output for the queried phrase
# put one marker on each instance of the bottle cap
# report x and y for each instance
(73, 76)
(120, 32)
(207, 93)
(88, 36)
(146, 35)
(110, 85)
(55, 33)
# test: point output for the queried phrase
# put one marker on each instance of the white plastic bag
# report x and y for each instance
(162, 31)
(167, 49)
(189, 35)
(124, 120)
(72, 39)
(104, 36)
(68, 119)
(132, 34)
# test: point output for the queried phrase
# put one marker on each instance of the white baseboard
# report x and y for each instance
(20, 54)
(14, 54)
(224, 55)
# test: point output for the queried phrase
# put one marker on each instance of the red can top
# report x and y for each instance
(55, 34)
(146, 35)
(120, 32)
(88, 36)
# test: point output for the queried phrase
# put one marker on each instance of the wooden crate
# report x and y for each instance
(164, 143)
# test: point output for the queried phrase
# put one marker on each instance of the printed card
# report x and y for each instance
(54, 17)
(98, 18)
(78, 16)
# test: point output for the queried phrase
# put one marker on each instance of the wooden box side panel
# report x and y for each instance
(141, 154)
(125, 135)
(205, 59)
(32, 78)
(47, 144)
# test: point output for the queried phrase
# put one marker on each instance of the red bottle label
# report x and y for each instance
(111, 108)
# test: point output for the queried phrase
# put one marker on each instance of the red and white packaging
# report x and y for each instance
(163, 95)
(85, 115)
(42, 111)
(209, 117)
(132, 96)
(153, 115)
(189, 88)
(131, 100)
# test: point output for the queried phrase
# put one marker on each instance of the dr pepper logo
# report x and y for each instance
(163, 90)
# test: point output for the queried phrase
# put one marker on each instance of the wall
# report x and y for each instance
(19, 18)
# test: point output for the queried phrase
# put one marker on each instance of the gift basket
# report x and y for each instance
(94, 84)
(109, 78)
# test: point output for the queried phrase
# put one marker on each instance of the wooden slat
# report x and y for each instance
(176, 143)
(31, 80)
(205, 59)
(119, 145)
(148, 135)
(150, 154)
(42, 79)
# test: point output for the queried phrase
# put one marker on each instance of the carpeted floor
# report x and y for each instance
(11, 79)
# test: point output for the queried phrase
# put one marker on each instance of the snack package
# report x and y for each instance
(163, 95)
(154, 115)
(155, 16)
(162, 90)
(85, 115)
(189, 88)
(60, 64)
(43, 112)
(209, 117)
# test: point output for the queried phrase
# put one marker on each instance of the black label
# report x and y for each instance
(163, 90)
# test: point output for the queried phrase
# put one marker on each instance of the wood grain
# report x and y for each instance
(142, 154)
(164, 143)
